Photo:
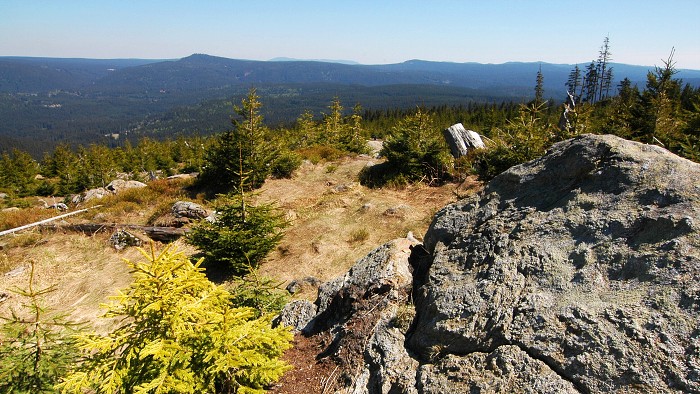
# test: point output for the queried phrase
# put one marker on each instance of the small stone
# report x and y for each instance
(122, 239)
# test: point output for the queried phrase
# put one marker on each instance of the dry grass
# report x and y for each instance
(85, 269)
(331, 212)
(16, 218)
(140, 206)
(327, 209)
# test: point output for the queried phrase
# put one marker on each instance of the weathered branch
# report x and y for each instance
(30, 225)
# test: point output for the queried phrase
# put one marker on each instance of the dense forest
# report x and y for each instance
(45, 102)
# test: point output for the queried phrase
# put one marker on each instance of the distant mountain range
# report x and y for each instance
(79, 100)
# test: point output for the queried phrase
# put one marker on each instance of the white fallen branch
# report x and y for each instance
(30, 225)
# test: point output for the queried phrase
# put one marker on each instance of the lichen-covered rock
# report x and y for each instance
(296, 314)
(358, 313)
(577, 272)
(384, 271)
(507, 369)
(584, 263)
(91, 194)
(122, 239)
(188, 209)
(118, 185)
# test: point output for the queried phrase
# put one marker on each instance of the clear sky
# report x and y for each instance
(370, 32)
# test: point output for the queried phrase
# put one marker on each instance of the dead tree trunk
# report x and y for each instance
(162, 234)
(461, 141)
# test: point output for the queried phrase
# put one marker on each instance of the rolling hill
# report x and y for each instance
(45, 101)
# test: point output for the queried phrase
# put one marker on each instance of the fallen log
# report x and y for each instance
(162, 234)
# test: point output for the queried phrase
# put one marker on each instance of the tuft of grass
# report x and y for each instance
(404, 317)
(358, 236)
(25, 239)
(5, 264)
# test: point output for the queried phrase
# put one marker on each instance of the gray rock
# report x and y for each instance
(344, 187)
(118, 185)
(122, 239)
(17, 271)
(397, 211)
(113, 187)
(384, 270)
(388, 366)
(575, 273)
(297, 315)
(586, 260)
(184, 176)
(298, 284)
(91, 194)
(212, 217)
(358, 310)
(375, 146)
(3, 196)
(366, 207)
(186, 209)
(507, 369)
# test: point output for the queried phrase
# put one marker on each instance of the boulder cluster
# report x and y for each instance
(577, 272)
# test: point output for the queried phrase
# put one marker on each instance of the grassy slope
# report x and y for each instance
(335, 221)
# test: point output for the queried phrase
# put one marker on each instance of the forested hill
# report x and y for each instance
(45, 101)
(201, 72)
(35, 74)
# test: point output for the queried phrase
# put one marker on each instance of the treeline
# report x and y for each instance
(330, 134)
(664, 112)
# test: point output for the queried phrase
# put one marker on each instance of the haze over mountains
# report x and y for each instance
(82, 100)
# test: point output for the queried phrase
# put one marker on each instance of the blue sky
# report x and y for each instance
(370, 32)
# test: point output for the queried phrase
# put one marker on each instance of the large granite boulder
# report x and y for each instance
(578, 272)
(585, 262)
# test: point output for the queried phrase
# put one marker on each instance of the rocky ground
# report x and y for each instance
(576, 272)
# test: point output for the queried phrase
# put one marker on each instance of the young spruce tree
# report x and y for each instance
(250, 141)
(37, 345)
(179, 333)
(242, 234)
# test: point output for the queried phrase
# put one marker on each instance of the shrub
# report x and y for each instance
(415, 151)
(179, 334)
(522, 140)
(263, 294)
(359, 235)
(285, 165)
(241, 236)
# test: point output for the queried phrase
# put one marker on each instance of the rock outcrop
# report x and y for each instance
(118, 185)
(577, 272)
(188, 209)
(113, 187)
